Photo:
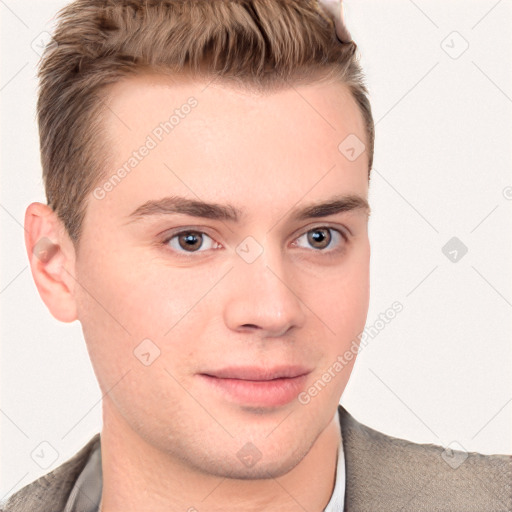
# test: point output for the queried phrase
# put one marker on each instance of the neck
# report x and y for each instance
(137, 476)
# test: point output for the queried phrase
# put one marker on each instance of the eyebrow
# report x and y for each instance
(181, 205)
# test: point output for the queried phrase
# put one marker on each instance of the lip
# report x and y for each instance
(258, 387)
(258, 373)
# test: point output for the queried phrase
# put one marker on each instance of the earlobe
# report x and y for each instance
(52, 260)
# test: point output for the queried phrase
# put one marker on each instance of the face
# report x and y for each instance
(189, 311)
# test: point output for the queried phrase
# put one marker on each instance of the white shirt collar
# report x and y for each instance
(337, 501)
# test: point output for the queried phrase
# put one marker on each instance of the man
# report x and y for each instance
(207, 168)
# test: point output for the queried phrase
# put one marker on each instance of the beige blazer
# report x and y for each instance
(383, 474)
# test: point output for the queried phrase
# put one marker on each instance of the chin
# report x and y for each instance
(263, 468)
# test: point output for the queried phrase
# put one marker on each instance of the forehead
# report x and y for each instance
(320, 105)
(212, 141)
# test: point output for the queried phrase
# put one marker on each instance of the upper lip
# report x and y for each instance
(258, 373)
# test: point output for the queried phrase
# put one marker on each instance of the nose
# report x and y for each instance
(262, 298)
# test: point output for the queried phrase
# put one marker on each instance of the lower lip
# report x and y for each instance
(264, 393)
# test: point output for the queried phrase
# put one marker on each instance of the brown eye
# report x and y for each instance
(323, 239)
(319, 238)
(190, 241)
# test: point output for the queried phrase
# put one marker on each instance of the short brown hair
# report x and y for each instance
(260, 44)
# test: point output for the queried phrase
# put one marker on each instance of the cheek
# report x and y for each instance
(122, 302)
(137, 293)
(342, 300)
(342, 308)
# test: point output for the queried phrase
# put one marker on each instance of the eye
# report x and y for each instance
(190, 241)
(195, 241)
(323, 237)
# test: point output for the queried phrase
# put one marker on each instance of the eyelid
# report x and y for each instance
(343, 230)
(168, 235)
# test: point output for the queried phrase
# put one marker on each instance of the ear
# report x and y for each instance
(52, 260)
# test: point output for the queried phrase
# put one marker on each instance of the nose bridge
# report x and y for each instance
(262, 295)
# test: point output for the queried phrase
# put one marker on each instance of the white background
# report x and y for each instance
(441, 370)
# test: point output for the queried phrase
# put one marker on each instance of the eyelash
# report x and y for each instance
(327, 252)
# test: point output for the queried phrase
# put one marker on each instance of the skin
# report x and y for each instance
(169, 440)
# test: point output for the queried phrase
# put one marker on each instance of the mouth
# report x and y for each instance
(257, 386)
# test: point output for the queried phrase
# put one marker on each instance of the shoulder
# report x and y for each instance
(50, 492)
(413, 475)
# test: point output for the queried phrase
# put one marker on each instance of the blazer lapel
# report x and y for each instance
(388, 474)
